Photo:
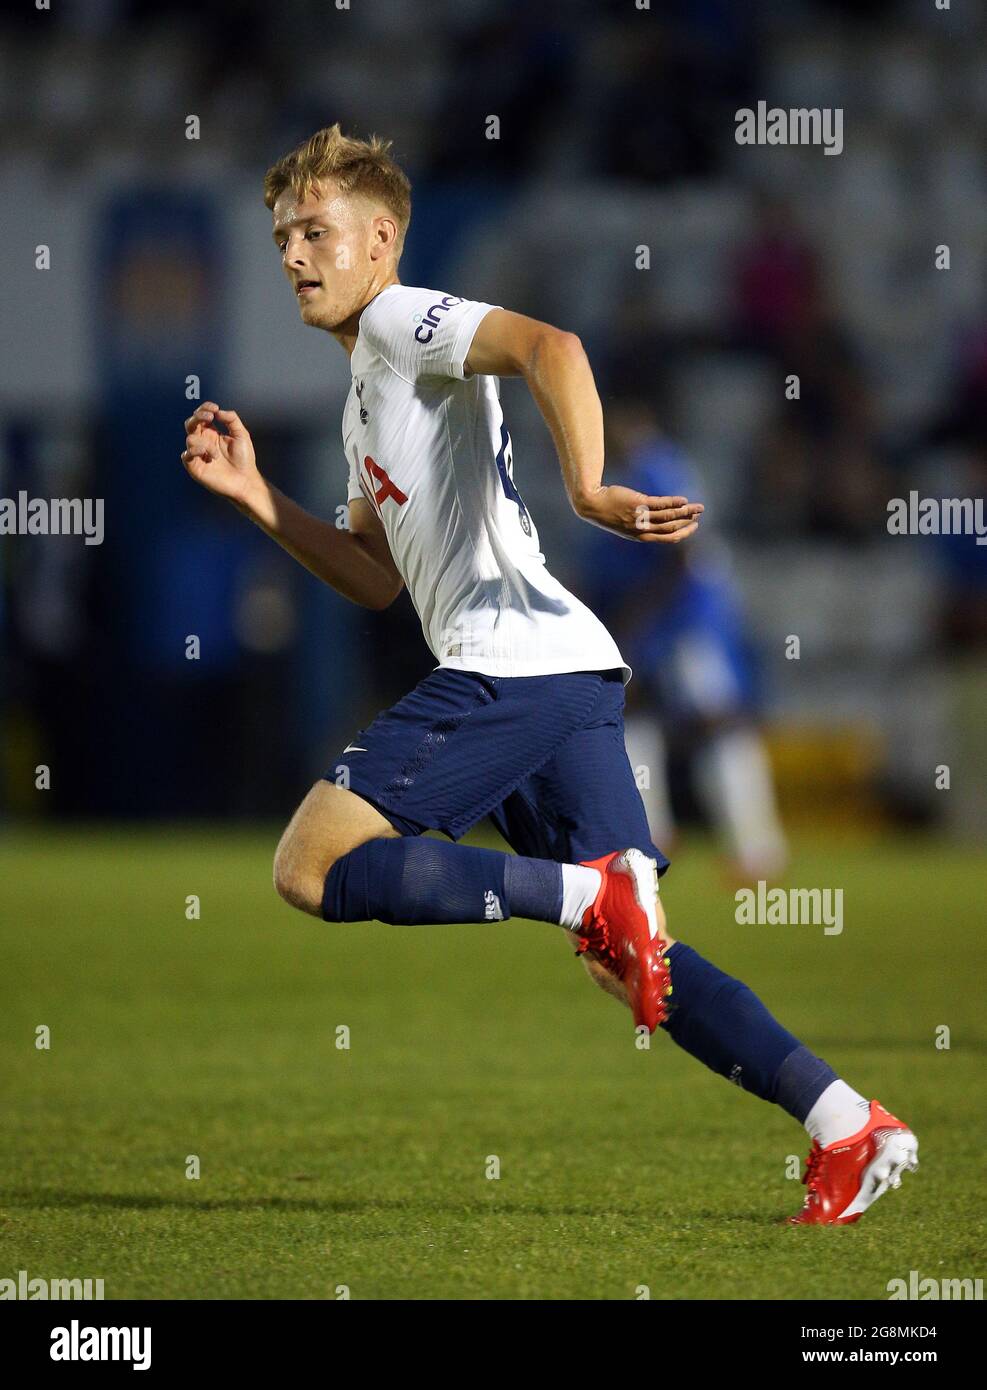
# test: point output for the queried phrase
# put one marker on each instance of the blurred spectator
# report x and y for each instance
(677, 616)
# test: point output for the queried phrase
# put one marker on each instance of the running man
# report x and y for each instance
(522, 719)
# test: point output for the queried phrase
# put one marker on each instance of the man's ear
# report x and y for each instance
(385, 237)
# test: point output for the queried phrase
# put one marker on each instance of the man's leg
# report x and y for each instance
(583, 802)
(644, 736)
(735, 781)
(329, 824)
(438, 759)
(407, 881)
(580, 803)
(441, 758)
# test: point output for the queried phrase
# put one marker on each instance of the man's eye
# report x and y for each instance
(314, 233)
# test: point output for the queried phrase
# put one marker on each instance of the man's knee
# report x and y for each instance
(297, 881)
(329, 824)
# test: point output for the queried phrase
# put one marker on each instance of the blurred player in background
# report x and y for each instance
(678, 619)
(522, 719)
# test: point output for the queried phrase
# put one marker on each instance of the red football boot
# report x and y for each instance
(620, 931)
(846, 1177)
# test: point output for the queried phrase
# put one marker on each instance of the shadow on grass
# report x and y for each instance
(46, 1199)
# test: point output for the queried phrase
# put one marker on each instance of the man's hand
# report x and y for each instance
(222, 462)
(559, 377)
(356, 561)
(638, 517)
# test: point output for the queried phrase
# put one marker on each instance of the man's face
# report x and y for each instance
(327, 245)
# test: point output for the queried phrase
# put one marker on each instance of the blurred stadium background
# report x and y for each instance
(617, 132)
(217, 1037)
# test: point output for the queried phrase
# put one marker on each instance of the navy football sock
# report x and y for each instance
(411, 882)
(723, 1023)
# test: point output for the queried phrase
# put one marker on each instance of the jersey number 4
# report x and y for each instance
(505, 467)
(386, 489)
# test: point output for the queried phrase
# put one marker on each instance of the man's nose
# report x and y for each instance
(294, 254)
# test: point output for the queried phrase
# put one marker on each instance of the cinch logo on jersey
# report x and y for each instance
(427, 323)
(75, 1343)
(492, 910)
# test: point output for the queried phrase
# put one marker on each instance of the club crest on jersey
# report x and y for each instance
(427, 323)
(364, 417)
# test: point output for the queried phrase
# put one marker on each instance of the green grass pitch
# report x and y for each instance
(366, 1167)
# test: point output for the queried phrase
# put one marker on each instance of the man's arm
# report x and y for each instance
(560, 379)
(356, 562)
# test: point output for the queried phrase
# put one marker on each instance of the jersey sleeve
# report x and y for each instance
(423, 334)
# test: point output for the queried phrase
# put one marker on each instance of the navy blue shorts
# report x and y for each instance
(542, 756)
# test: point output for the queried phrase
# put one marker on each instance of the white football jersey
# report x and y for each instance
(428, 449)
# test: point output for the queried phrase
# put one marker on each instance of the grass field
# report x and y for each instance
(366, 1167)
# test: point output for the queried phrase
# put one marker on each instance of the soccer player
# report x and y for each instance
(522, 718)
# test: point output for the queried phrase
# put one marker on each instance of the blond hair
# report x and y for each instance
(354, 166)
